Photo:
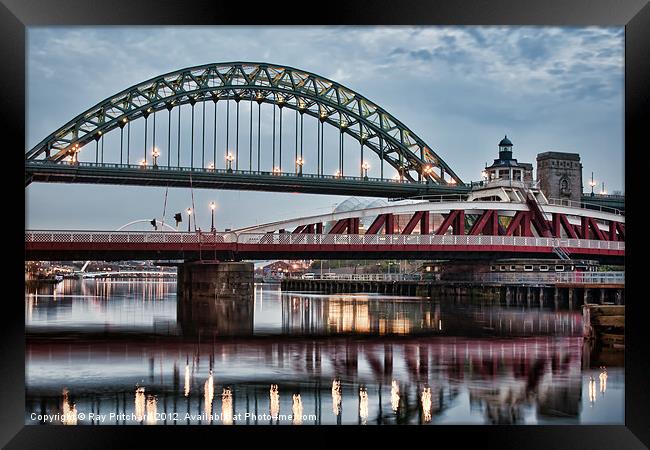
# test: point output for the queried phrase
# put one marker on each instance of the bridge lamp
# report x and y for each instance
(213, 206)
(276, 170)
(143, 163)
(155, 153)
(592, 183)
(189, 218)
(365, 166)
(230, 158)
(452, 181)
(602, 191)
(299, 164)
(211, 166)
(337, 174)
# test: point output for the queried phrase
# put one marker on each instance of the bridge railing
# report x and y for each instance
(362, 277)
(207, 170)
(207, 238)
(551, 278)
(584, 205)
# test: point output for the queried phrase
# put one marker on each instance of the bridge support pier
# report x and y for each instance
(216, 297)
(556, 297)
(570, 298)
(602, 296)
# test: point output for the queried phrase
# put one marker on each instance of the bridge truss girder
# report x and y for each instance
(283, 86)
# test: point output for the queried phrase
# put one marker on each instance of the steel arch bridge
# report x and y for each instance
(60, 156)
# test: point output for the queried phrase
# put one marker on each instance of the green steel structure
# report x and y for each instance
(258, 83)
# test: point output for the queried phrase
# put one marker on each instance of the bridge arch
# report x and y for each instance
(307, 93)
(158, 222)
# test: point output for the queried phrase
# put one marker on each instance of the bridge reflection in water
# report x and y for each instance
(308, 359)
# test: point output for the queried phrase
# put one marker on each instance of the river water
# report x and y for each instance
(124, 352)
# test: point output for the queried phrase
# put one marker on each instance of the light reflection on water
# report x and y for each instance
(438, 361)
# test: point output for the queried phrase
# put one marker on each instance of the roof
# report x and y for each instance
(505, 142)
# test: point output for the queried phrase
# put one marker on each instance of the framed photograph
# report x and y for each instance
(381, 220)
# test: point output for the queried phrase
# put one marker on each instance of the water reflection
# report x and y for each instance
(488, 364)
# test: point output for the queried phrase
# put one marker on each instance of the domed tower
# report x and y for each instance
(505, 148)
(506, 167)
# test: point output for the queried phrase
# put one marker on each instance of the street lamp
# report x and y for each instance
(276, 170)
(365, 166)
(337, 174)
(230, 158)
(143, 163)
(155, 153)
(189, 218)
(603, 192)
(211, 166)
(299, 163)
(592, 183)
(213, 206)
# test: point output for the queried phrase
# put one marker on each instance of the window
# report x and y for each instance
(559, 268)
(528, 268)
(503, 268)
(543, 268)
(493, 268)
(513, 268)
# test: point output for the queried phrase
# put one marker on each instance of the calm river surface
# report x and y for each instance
(123, 352)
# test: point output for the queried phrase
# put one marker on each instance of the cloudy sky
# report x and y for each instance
(459, 88)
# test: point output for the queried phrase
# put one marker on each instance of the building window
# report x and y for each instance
(493, 268)
(513, 268)
(503, 268)
(543, 268)
(559, 268)
(528, 268)
(564, 187)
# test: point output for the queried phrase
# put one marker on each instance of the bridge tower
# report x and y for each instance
(560, 175)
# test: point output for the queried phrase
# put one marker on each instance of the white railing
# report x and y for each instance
(128, 237)
(584, 205)
(361, 277)
(551, 278)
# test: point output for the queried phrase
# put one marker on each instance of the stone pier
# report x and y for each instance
(216, 298)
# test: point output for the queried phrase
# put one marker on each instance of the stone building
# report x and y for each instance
(560, 175)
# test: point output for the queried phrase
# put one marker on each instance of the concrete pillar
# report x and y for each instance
(529, 295)
(556, 296)
(585, 296)
(619, 296)
(541, 297)
(570, 298)
(602, 296)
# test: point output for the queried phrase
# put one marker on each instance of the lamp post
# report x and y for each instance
(211, 166)
(213, 206)
(299, 163)
(365, 166)
(230, 158)
(143, 163)
(592, 183)
(602, 191)
(276, 171)
(189, 218)
(337, 174)
(155, 153)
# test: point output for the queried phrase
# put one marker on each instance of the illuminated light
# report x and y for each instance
(592, 390)
(226, 406)
(189, 211)
(296, 408)
(151, 410)
(363, 405)
(452, 181)
(394, 396)
(426, 404)
(276, 170)
(143, 162)
(69, 410)
(275, 401)
(337, 174)
(211, 166)
(336, 397)
(365, 165)
(139, 404)
(124, 120)
(300, 161)
(208, 392)
(155, 152)
(213, 206)
(603, 380)
(99, 133)
(230, 157)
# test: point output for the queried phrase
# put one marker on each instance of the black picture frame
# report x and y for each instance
(16, 15)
